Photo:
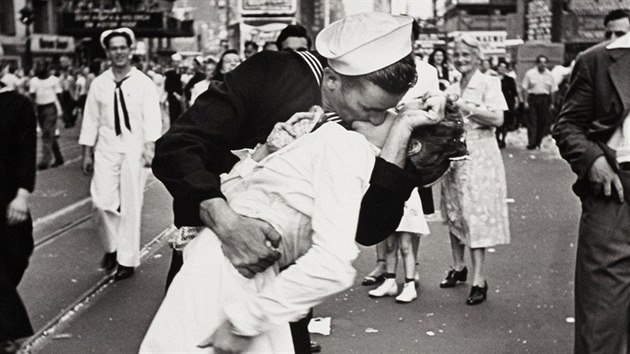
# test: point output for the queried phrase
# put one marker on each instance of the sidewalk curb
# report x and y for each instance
(38, 340)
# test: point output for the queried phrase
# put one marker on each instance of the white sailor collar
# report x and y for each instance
(622, 42)
(133, 72)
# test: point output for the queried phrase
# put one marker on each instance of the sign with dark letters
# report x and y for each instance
(268, 7)
(86, 23)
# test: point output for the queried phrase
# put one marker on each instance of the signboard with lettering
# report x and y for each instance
(268, 7)
(262, 33)
(47, 43)
(88, 23)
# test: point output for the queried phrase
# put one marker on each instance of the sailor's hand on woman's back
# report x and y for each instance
(249, 244)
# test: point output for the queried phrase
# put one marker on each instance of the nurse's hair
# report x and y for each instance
(442, 143)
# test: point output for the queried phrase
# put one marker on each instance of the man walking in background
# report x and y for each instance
(122, 120)
(538, 89)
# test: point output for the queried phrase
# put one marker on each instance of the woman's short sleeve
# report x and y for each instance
(493, 97)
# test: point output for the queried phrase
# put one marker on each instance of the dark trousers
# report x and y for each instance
(17, 246)
(47, 119)
(299, 330)
(68, 104)
(539, 118)
(602, 277)
(174, 108)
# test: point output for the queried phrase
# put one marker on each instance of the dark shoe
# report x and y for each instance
(501, 144)
(477, 294)
(373, 280)
(109, 263)
(315, 348)
(42, 166)
(123, 272)
(531, 147)
(453, 277)
(8, 347)
(57, 163)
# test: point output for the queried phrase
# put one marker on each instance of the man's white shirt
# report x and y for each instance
(142, 103)
(620, 139)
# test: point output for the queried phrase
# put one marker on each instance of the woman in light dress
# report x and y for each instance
(474, 190)
(310, 191)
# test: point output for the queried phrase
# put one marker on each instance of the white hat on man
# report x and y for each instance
(366, 42)
(122, 31)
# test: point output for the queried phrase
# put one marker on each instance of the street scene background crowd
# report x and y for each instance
(503, 117)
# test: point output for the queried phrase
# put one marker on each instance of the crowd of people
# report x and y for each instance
(280, 162)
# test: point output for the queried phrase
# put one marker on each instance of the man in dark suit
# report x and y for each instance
(17, 180)
(174, 89)
(593, 134)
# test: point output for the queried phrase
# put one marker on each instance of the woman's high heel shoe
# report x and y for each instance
(477, 294)
(453, 277)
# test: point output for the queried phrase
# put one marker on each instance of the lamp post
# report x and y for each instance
(27, 17)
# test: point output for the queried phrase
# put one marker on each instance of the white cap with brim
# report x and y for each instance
(366, 42)
(122, 31)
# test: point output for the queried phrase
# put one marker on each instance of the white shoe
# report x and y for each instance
(388, 288)
(408, 293)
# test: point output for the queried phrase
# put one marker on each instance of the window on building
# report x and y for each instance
(7, 17)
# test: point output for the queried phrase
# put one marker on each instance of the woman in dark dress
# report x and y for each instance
(508, 86)
(438, 60)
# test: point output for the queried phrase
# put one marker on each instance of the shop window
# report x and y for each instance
(7, 17)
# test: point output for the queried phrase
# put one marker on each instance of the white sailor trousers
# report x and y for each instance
(117, 191)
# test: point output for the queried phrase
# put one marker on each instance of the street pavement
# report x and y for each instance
(78, 309)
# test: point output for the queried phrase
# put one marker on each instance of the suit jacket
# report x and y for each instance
(596, 104)
(173, 82)
(17, 147)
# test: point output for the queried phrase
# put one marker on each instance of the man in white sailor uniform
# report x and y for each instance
(122, 120)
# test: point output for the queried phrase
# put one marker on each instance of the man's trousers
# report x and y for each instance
(47, 119)
(539, 117)
(117, 193)
(602, 279)
(17, 247)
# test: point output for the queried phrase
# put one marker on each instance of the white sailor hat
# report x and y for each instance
(122, 31)
(176, 57)
(363, 43)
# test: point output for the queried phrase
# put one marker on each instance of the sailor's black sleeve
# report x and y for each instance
(190, 157)
(383, 204)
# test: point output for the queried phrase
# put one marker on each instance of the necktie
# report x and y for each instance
(119, 92)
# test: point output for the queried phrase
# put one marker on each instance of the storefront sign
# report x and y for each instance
(268, 7)
(44, 43)
(89, 22)
(261, 34)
